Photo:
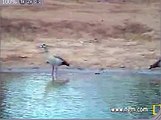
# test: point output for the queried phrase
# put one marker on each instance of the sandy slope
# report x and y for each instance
(87, 34)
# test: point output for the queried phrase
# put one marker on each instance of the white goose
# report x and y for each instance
(55, 61)
(156, 64)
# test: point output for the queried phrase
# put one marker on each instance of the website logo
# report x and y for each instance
(156, 108)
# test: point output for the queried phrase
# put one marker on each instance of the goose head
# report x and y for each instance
(44, 46)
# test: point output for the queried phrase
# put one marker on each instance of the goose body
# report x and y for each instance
(55, 61)
(156, 64)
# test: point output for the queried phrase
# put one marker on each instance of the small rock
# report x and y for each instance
(23, 57)
(81, 42)
(101, 69)
(151, 50)
(97, 73)
(122, 66)
(80, 68)
(9, 68)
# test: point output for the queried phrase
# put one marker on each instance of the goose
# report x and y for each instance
(54, 61)
(156, 64)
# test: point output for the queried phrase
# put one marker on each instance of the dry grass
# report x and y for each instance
(86, 33)
(26, 30)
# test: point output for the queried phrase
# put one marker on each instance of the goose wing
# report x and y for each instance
(64, 62)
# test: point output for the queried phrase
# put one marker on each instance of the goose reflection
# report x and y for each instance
(52, 86)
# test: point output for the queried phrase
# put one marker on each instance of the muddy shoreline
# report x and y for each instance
(82, 70)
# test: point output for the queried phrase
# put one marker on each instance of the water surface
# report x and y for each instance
(87, 95)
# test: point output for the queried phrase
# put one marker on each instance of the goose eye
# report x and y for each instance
(44, 45)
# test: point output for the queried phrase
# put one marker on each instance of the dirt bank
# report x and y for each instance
(87, 34)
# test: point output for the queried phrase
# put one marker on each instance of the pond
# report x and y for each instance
(86, 95)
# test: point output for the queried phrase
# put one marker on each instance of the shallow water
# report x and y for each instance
(34, 95)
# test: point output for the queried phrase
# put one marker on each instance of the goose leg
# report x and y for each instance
(54, 73)
(53, 77)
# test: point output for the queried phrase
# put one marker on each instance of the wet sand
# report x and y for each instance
(83, 71)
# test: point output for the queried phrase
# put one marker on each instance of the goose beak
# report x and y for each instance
(49, 46)
(38, 46)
